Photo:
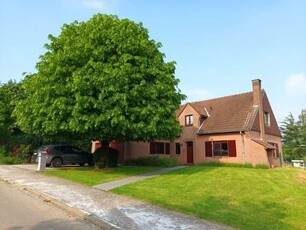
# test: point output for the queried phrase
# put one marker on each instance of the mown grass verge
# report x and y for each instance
(91, 176)
(244, 198)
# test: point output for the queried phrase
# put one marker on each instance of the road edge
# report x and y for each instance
(78, 213)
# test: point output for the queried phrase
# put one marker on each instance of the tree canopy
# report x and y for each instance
(104, 79)
(9, 93)
(294, 137)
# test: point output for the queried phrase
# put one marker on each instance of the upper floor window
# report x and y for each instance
(188, 120)
(267, 118)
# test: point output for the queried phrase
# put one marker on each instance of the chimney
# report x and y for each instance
(257, 101)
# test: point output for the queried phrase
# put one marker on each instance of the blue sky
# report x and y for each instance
(219, 46)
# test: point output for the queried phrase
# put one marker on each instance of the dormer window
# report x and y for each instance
(267, 118)
(189, 120)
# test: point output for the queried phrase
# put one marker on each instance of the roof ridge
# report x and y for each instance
(219, 98)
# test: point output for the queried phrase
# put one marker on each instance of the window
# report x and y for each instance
(159, 148)
(177, 148)
(220, 148)
(275, 152)
(267, 118)
(188, 120)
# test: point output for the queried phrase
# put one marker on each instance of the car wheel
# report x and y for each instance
(56, 162)
(81, 164)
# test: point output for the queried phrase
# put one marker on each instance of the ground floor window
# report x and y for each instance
(177, 148)
(220, 148)
(159, 148)
(275, 152)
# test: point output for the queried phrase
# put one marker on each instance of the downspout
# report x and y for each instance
(243, 147)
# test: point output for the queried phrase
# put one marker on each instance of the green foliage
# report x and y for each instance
(15, 154)
(3, 151)
(7, 158)
(9, 94)
(103, 79)
(152, 162)
(106, 157)
(23, 152)
(294, 138)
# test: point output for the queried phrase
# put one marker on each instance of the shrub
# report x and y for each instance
(106, 157)
(152, 162)
(23, 152)
(17, 154)
(11, 160)
(3, 151)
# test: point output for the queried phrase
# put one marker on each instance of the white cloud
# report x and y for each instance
(296, 85)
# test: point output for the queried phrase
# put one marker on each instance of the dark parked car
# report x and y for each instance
(57, 155)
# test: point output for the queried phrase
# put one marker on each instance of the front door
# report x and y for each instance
(189, 152)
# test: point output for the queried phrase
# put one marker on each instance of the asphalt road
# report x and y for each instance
(20, 211)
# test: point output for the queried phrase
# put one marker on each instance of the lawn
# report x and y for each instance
(91, 176)
(243, 198)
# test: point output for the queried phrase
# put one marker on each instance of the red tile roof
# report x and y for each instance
(232, 114)
(227, 114)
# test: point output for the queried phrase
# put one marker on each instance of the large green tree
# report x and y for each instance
(103, 79)
(294, 137)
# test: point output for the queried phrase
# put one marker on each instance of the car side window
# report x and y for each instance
(57, 150)
(68, 149)
(76, 150)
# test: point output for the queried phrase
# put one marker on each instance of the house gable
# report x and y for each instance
(271, 128)
(189, 110)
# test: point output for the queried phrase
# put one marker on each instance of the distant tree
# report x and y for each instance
(294, 138)
(103, 79)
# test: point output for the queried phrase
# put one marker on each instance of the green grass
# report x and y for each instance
(91, 176)
(243, 198)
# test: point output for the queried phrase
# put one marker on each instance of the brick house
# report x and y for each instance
(233, 129)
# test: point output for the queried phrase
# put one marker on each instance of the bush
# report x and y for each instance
(11, 160)
(17, 155)
(106, 157)
(3, 151)
(152, 162)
